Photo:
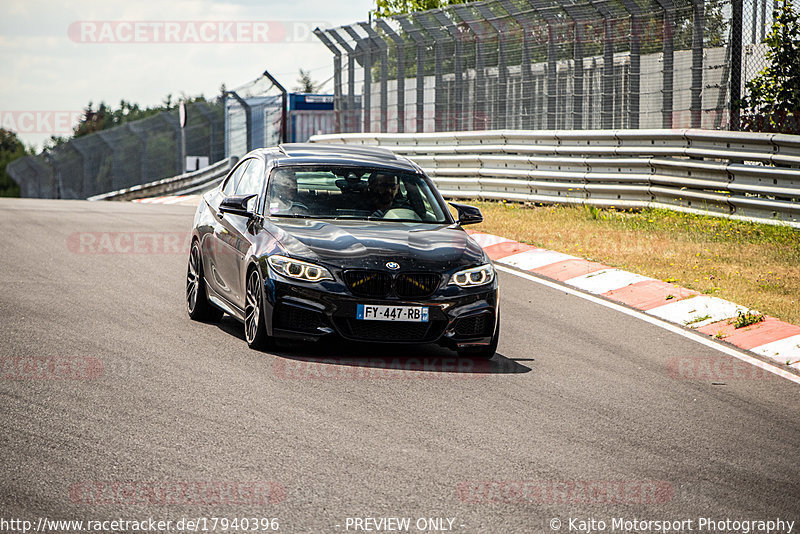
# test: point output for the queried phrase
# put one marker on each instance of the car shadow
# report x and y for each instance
(374, 360)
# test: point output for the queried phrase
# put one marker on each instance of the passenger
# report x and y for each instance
(283, 192)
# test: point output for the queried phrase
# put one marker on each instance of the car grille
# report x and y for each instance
(289, 317)
(416, 284)
(390, 330)
(368, 283)
(377, 284)
(474, 326)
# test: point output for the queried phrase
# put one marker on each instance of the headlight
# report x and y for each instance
(477, 276)
(299, 270)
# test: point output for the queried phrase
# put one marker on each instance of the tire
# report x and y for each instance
(255, 330)
(197, 304)
(486, 352)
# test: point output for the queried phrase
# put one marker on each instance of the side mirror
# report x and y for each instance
(467, 214)
(237, 205)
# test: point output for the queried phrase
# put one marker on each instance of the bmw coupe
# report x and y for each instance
(310, 240)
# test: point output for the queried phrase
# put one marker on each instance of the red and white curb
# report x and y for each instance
(172, 199)
(775, 339)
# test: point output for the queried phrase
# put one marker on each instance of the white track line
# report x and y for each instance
(657, 322)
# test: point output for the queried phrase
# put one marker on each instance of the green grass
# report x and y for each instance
(755, 265)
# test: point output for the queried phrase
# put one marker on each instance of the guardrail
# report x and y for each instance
(181, 184)
(742, 175)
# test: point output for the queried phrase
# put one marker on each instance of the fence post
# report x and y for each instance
(458, 87)
(337, 77)
(669, 61)
(410, 28)
(525, 62)
(737, 20)
(383, 48)
(400, 45)
(248, 120)
(502, 67)
(351, 113)
(479, 120)
(634, 95)
(552, 60)
(581, 18)
(698, 18)
(364, 49)
(431, 27)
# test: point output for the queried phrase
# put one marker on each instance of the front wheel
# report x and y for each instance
(486, 352)
(255, 331)
(197, 304)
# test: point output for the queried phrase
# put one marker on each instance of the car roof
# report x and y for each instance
(339, 154)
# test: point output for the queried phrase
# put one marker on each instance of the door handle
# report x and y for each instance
(220, 215)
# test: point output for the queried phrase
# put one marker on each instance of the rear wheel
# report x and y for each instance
(197, 304)
(255, 330)
(487, 351)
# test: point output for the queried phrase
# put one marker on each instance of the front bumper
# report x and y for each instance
(458, 318)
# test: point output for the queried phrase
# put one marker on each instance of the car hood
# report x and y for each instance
(370, 244)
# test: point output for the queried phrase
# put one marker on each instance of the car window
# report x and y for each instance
(353, 193)
(252, 181)
(233, 179)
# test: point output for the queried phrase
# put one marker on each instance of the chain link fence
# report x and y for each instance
(549, 64)
(133, 153)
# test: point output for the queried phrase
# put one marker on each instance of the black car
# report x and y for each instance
(310, 240)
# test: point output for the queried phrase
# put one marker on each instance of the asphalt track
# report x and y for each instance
(579, 402)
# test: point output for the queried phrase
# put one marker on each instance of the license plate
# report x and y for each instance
(370, 312)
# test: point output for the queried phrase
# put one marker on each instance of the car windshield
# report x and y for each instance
(353, 193)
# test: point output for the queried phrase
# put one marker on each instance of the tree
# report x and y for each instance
(106, 117)
(773, 95)
(389, 8)
(305, 83)
(11, 148)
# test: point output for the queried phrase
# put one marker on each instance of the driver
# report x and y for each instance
(382, 189)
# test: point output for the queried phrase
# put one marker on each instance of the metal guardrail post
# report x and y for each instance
(337, 77)
(400, 47)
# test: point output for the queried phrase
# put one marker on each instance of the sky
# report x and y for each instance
(57, 56)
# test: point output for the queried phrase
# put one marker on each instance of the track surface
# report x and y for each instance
(578, 393)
